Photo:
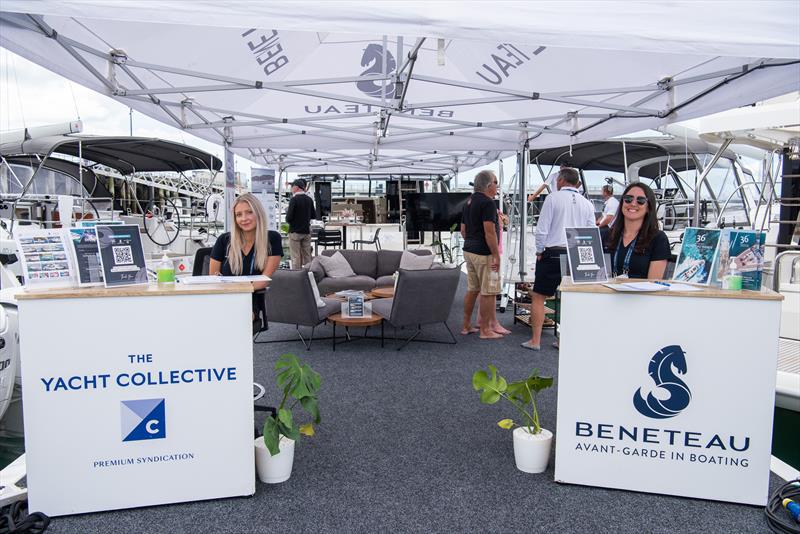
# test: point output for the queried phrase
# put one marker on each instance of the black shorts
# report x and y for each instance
(548, 272)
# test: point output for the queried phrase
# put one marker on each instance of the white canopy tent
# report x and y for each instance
(412, 86)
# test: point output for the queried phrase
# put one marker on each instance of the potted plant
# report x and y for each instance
(532, 443)
(275, 449)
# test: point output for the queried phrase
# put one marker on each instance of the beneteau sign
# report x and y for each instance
(672, 404)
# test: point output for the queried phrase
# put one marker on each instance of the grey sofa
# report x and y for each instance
(373, 269)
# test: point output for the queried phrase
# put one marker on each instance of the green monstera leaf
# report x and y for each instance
(491, 387)
(521, 391)
(300, 380)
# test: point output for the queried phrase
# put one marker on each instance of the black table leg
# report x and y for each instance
(334, 336)
(382, 333)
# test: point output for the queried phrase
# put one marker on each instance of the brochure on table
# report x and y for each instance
(746, 248)
(44, 257)
(587, 264)
(86, 256)
(697, 256)
(121, 255)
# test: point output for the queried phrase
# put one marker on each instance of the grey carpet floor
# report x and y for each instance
(406, 446)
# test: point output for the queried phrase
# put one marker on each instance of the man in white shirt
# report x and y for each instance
(610, 207)
(549, 184)
(566, 208)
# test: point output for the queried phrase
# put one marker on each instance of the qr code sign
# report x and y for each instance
(585, 255)
(122, 255)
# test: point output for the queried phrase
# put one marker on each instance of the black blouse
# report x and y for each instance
(657, 250)
(220, 253)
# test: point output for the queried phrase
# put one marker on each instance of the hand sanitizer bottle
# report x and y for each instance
(733, 280)
(166, 271)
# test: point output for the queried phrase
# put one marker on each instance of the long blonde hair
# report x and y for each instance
(237, 237)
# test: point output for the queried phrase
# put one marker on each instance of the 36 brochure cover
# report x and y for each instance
(746, 248)
(696, 259)
(585, 255)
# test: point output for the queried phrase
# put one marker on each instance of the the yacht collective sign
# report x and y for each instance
(126, 405)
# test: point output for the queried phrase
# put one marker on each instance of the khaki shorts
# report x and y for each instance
(478, 269)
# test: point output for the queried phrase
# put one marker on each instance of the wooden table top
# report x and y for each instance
(706, 292)
(143, 290)
(355, 321)
(383, 292)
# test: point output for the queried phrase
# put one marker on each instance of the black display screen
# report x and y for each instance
(434, 212)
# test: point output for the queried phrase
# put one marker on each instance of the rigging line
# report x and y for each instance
(74, 100)
(85, 27)
(19, 97)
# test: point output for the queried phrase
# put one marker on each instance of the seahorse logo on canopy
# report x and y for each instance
(676, 395)
(373, 56)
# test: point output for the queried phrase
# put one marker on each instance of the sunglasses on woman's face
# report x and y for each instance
(628, 199)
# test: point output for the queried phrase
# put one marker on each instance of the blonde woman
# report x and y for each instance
(248, 249)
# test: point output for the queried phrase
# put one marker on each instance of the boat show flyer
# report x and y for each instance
(87, 257)
(44, 258)
(696, 259)
(121, 255)
(585, 255)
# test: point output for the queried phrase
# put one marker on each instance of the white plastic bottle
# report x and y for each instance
(166, 271)
(733, 280)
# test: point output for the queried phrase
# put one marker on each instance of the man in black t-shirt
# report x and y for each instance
(299, 214)
(480, 232)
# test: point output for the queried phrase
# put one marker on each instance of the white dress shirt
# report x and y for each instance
(566, 208)
(610, 208)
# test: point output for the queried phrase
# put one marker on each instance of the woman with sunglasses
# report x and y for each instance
(638, 248)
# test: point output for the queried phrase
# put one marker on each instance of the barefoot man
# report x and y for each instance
(479, 228)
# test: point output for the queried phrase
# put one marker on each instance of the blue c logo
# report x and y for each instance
(661, 371)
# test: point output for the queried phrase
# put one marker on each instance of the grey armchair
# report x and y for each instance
(290, 300)
(421, 297)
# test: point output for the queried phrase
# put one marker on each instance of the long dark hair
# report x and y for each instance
(649, 227)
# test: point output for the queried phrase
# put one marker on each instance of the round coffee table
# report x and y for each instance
(347, 322)
(383, 292)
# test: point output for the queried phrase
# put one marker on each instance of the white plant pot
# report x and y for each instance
(278, 468)
(532, 451)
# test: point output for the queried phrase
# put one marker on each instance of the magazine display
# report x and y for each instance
(587, 264)
(121, 255)
(86, 255)
(44, 257)
(746, 248)
(697, 256)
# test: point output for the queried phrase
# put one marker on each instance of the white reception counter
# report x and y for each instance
(136, 396)
(667, 392)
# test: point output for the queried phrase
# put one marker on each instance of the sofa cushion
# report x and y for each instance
(315, 266)
(414, 262)
(336, 266)
(389, 260)
(331, 306)
(363, 262)
(358, 283)
(385, 281)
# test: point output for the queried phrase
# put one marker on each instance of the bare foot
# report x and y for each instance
(498, 329)
(491, 335)
(469, 330)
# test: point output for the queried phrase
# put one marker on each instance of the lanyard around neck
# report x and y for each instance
(627, 261)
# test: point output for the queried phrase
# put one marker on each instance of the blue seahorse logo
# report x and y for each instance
(661, 371)
(373, 54)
